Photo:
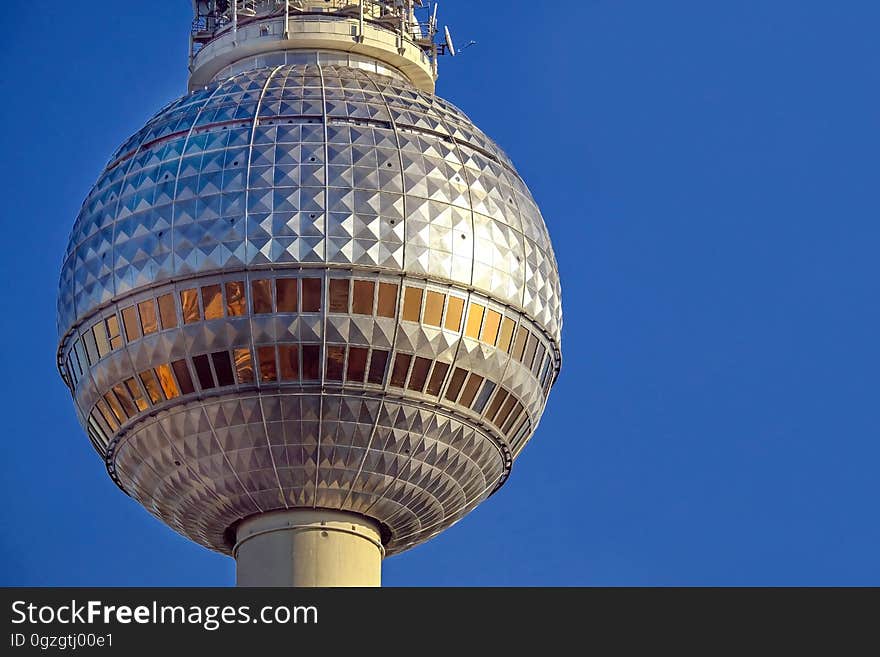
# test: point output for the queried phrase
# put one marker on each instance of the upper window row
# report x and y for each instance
(482, 323)
(306, 295)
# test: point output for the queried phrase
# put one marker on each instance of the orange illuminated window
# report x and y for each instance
(490, 327)
(203, 372)
(149, 321)
(268, 370)
(136, 394)
(288, 359)
(470, 390)
(167, 311)
(184, 380)
(539, 359)
(529, 354)
(504, 413)
(151, 385)
(496, 404)
(474, 320)
(357, 364)
(339, 295)
(100, 331)
(434, 308)
(378, 363)
(212, 299)
(362, 304)
(454, 313)
(223, 368)
(412, 304)
(189, 303)
(115, 406)
(107, 414)
(236, 304)
(285, 292)
(335, 363)
(244, 366)
(311, 291)
(130, 320)
(506, 335)
(311, 365)
(122, 395)
(519, 346)
(113, 334)
(437, 377)
(419, 374)
(455, 384)
(399, 369)
(387, 300)
(166, 380)
(517, 411)
(262, 293)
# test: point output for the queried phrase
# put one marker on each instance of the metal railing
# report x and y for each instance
(218, 16)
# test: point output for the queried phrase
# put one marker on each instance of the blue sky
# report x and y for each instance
(709, 175)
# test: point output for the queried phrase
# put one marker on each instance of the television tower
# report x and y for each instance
(310, 314)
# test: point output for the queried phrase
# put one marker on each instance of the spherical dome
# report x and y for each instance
(309, 286)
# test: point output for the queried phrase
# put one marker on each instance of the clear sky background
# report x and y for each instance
(709, 173)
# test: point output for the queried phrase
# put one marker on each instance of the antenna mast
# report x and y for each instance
(400, 33)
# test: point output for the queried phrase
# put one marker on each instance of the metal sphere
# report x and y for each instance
(309, 286)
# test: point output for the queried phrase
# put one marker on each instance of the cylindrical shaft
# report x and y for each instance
(308, 548)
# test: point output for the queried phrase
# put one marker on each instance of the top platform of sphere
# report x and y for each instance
(401, 34)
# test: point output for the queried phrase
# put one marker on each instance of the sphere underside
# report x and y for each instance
(203, 467)
(309, 286)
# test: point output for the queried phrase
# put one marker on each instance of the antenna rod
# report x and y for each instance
(401, 46)
(361, 21)
(286, 34)
(234, 21)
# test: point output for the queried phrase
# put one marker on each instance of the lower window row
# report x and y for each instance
(303, 362)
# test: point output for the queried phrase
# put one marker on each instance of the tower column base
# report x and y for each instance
(308, 548)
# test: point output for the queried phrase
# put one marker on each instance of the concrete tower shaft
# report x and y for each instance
(308, 548)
